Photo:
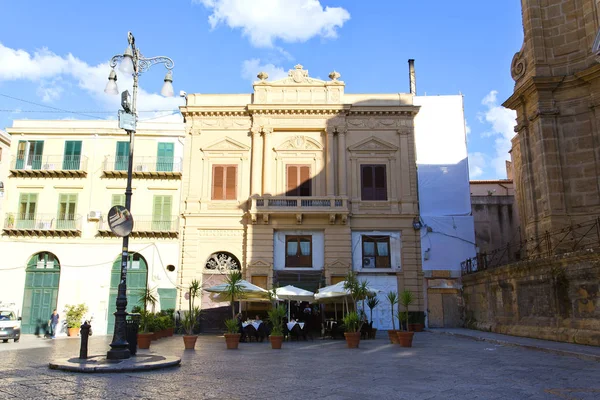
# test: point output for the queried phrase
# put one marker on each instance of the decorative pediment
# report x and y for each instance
(300, 143)
(373, 144)
(337, 263)
(227, 144)
(259, 263)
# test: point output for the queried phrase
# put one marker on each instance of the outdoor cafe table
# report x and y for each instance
(290, 325)
(255, 324)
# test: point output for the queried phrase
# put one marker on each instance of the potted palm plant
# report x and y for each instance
(276, 316)
(352, 329)
(190, 318)
(147, 297)
(372, 302)
(232, 337)
(74, 316)
(144, 336)
(392, 298)
(405, 337)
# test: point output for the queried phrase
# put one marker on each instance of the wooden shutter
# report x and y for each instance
(298, 180)
(260, 281)
(117, 200)
(162, 208)
(66, 206)
(337, 279)
(304, 185)
(292, 180)
(380, 183)
(166, 152)
(217, 182)
(230, 182)
(367, 184)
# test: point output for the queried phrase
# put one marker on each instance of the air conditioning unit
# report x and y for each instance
(368, 262)
(141, 168)
(95, 216)
(49, 167)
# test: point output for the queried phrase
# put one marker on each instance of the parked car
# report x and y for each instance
(10, 326)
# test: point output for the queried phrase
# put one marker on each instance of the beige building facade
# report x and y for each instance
(4, 157)
(300, 183)
(62, 177)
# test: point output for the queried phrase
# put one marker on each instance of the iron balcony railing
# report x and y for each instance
(308, 203)
(142, 165)
(149, 223)
(49, 163)
(585, 235)
(42, 222)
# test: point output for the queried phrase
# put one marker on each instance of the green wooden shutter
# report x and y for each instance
(117, 200)
(161, 215)
(166, 152)
(72, 158)
(27, 210)
(38, 150)
(167, 298)
(122, 158)
(67, 204)
(21, 154)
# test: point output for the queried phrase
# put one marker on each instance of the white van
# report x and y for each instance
(10, 326)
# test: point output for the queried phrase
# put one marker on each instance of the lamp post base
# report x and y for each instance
(118, 354)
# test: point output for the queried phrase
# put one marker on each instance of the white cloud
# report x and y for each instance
(52, 72)
(250, 68)
(467, 128)
(265, 21)
(477, 164)
(502, 121)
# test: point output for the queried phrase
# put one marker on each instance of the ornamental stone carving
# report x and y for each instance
(518, 66)
(300, 143)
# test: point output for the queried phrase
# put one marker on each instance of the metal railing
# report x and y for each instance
(42, 222)
(49, 163)
(143, 164)
(581, 236)
(149, 223)
(284, 202)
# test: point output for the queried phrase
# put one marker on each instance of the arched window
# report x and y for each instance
(42, 261)
(222, 261)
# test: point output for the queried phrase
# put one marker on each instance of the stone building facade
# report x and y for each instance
(299, 183)
(556, 150)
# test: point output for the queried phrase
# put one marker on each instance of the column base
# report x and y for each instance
(118, 354)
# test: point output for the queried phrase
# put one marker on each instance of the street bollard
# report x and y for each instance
(85, 334)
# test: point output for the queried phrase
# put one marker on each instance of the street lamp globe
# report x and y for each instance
(111, 85)
(126, 65)
(167, 89)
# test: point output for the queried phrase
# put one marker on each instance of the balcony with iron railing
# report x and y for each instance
(332, 207)
(16, 224)
(50, 166)
(143, 167)
(147, 226)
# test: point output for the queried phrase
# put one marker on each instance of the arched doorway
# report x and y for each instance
(137, 280)
(217, 266)
(41, 291)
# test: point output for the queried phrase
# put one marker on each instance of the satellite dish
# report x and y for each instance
(120, 221)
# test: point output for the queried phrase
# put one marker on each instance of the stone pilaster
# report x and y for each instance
(342, 174)
(329, 164)
(256, 164)
(268, 162)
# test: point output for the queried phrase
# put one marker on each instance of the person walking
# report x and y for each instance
(53, 322)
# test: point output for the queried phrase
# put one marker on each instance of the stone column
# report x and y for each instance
(256, 164)
(329, 164)
(342, 176)
(268, 162)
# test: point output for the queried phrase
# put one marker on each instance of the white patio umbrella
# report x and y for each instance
(290, 292)
(251, 292)
(336, 293)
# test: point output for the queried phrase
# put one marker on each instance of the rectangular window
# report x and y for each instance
(376, 251)
(72, 157)
(373, 182)
(298, 251)
(260, 281)
(67, 204)
(117, 200)
(161, 214)
(298, 180)
(122, 157)
(164, 161)
(224, 182)
(29, 154)
(27, 210)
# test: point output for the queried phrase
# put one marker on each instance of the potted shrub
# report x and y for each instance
(10, 220)
(147, 297)
(392, 298)
(74, 315)
(233, 289)
(405, 337)
(170, 313)
(276, 316)
(232, 337)
(419, 323)
(352, 328)
(144, 336)
(372, 302)
(190, 318)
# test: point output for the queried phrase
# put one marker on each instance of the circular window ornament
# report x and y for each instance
(222, 262)
(170, 268)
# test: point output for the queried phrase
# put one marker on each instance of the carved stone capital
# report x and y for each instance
(267, 131)
(341, 130)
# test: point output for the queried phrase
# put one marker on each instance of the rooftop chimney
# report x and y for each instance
(412, 77)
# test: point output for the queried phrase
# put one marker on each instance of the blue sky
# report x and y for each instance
(55, 54)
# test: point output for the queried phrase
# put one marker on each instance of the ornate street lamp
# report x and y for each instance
(134, 63)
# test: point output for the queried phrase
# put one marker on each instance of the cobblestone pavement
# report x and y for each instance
(437, 367)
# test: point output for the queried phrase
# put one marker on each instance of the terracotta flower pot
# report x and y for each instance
(373, 333)
(143, 340)
(415, 327)
(189, 341)
(73, 332)
(276, 341)
(393, 336)
(232, 340)
(170, 331)
(352, 339)
(405, 338)
(154, 335)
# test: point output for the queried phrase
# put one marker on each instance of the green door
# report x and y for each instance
(27, 208)
(161, 214)
(167, 298)
(137, 276)
(72, 159)
(67, 204)
(166, 152)
(29, 154)
(41, 292)
(122, 159)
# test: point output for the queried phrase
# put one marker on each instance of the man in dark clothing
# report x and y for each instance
(53, 322)
(240, 327)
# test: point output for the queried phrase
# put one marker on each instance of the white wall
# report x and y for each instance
(382, 314)
(318, 248)
(395, 248)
